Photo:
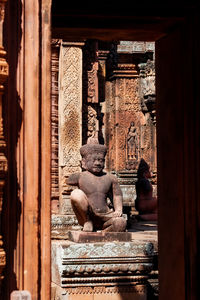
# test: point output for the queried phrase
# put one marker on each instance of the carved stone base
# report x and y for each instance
(112, 270)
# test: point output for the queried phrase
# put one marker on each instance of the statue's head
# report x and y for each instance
(93, 157)
(143, 169)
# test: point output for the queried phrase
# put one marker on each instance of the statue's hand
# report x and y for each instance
(117, 213)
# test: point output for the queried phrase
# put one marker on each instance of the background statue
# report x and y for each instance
(89, 200)
(145, 203)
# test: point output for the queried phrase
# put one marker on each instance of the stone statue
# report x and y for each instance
(145, 203)
(89, 200)
(132, 142)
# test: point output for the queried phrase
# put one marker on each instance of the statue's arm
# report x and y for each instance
(117, 197)
(73, 179)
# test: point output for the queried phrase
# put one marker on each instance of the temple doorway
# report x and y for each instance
(28, 29)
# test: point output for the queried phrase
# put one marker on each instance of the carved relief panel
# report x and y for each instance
(123, 138)
(70, 115)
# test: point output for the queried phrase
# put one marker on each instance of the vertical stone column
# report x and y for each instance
(70, 116)
(127, 110)
(3, 159)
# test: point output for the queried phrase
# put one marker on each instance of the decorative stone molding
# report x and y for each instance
(138, 268)
(125, 71)
(61, 224)
(106, 290)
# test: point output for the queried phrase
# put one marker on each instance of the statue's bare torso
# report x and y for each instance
(89, 201)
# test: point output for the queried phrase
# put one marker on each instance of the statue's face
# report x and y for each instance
(94, 163)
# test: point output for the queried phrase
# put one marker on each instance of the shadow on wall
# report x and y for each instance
(13, 115)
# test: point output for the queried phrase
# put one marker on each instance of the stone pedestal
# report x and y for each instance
(102, 270)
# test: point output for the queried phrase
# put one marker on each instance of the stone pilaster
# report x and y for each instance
(70, 116)
(125, 99)
(3, 159)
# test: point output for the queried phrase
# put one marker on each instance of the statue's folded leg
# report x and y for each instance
(80, 206)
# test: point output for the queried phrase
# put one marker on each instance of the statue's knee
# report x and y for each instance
(77, 195)
(119, 224)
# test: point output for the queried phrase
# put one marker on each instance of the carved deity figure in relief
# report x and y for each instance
(94, 186)
(145, 203)
(132, 143)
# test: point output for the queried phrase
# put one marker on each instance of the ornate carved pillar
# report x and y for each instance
(3, 159)
(125, 99)
(70, 116)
